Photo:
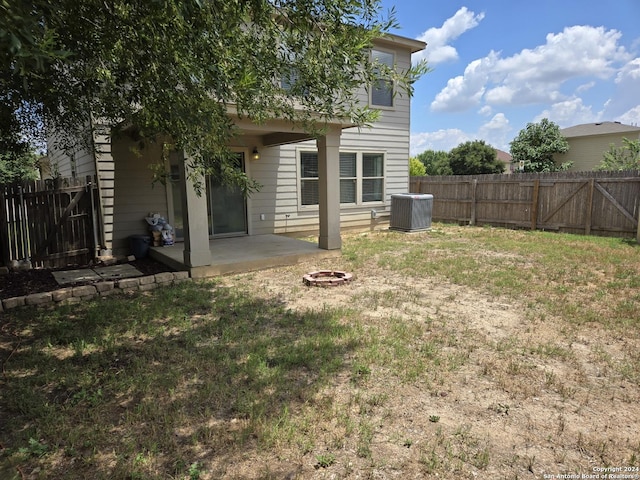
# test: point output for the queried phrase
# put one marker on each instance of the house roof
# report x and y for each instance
(600, 128)
(503, 156)
(397, 41)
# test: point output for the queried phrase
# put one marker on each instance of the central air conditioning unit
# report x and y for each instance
(411, 212)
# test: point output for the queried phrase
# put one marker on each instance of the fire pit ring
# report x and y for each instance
(326, 278)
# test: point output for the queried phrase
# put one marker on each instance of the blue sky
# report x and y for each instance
(499, 64)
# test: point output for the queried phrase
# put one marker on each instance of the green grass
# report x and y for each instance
(143, 368)
(157, 385)
(564, 272)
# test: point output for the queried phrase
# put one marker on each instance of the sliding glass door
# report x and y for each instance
(226, 206)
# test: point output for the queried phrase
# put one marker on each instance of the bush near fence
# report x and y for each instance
(591, 203)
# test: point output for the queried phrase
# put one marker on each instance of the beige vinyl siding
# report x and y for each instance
(97, 163)
(587, 152)
(135, 196)
(127, 193)
(59, 162)
(106, 174)
(78, 162)
(278, 173)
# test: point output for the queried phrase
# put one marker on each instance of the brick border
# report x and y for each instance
(99, 289)
(326, 278)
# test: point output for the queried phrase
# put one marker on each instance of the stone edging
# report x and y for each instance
(98, 289)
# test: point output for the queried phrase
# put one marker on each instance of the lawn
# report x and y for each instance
(458, 353)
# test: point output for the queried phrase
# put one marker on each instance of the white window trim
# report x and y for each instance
(361, 177)
(345, 206)
(393, 93)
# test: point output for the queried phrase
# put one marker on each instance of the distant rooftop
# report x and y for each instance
(503, 156)
(600, 128)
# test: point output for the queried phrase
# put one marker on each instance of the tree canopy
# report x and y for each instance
(18, 160)
(416, 168)
(435, 162)
(625, 157)
(474, 158)
(536, 145)
(176, 67)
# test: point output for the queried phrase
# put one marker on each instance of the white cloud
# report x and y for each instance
(439, 140)
(496, 132)
(630, 72)
(536, 75)
(485, 110)
(438, 49)
(631, 116)
(585, 87)
(466, 90)
(627, 91)
(569, 112)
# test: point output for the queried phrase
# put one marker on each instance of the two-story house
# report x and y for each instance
(343, 179)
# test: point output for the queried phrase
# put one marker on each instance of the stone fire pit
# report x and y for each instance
(326, 278)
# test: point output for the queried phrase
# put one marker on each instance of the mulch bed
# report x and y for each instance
(20, 283)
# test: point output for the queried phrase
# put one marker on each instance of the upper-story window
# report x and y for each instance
(288, 80)
(382, 89)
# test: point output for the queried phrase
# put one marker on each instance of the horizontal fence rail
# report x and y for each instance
(49, 223)
(590, 203)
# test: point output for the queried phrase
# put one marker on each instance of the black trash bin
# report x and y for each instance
(139, 245)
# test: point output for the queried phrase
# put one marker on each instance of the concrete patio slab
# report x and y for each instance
(65, 277)
(244, 254)
(115, 272)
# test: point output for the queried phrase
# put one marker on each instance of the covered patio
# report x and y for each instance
(246, 253)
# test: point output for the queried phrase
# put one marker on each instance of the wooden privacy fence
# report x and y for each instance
(596, 203)
(52, 223)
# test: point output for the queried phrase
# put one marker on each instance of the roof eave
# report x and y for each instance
(398, 41)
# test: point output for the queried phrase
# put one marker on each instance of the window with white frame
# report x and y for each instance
(348, 178)
(382, 89)
(361, 178)
(309, 178)
(372, 177)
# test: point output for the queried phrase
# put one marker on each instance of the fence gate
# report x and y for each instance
(52, 223)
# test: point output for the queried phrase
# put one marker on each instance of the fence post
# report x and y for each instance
(638, 228)
(589, 213)
(474, 186)
(4, 228)
(534, 204)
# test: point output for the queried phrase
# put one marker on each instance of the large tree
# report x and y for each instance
(178, 67)
(435, 162)
(536, 145)
(18, 160)
(416, 168)
(474, 158)
(625, 157)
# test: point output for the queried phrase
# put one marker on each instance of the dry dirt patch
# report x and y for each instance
(482, 387)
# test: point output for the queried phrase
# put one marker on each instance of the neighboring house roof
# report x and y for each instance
(600, 128)
(503, 156)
